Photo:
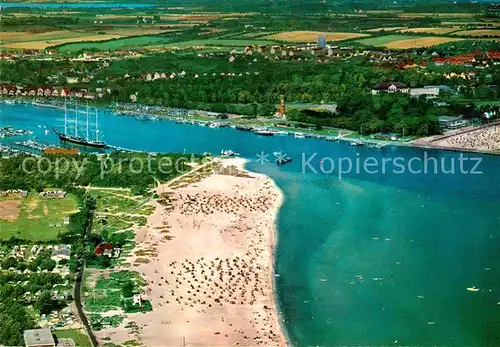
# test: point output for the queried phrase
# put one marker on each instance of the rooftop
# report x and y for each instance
(386, 85)
(449, 118)
(38, 337)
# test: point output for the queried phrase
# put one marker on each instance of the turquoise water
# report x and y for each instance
(417, 240)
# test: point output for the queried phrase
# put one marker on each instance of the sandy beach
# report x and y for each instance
(478, 139)
(210, 278)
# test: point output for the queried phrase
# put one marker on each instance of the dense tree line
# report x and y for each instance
(374, 114)
(118, 169)
(14, 319)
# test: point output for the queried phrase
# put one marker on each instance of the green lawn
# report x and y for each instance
(81, 340)
(131, 42)
(106, 294)
(115, 201)
(383, 40)
(36, 216)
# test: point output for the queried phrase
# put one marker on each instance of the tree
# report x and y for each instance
(45, 304)
(48, 264)
(128, 289)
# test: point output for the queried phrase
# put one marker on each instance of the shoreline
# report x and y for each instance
(210, 247)
(422, 143)
(274, 243)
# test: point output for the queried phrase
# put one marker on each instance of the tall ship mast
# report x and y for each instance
(76, 138)
(65, 118)
(87, 129)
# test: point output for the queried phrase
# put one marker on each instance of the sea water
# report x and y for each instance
(362, 258)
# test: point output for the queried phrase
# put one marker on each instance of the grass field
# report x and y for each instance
(115, 200)
(122, 43)
(383, 40)
(430, 30)
(105, 293)
(311, 36)
(36, 216)
(81, 340)
(478, 32)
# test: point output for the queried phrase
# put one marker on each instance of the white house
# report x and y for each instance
(61, 254)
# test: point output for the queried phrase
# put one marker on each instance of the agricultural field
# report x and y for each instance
(219, 43)
(132, 30)
(30, 40)
(406, 41)
(376, 30)
(48, 37)
(35, 218)
(437, 15)
(311, 36)
(384, 40)
(255, 34)
(121, 43)
(420, 42)
(438, 30)
(479, 32)
(473, 23)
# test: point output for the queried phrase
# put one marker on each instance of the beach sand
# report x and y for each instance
(481, 139)
(211, 279)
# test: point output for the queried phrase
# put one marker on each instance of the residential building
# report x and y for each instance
(39, 338)
(61, 254)
(429, 91)
(452, 122)
(72, 80)
(391, 87)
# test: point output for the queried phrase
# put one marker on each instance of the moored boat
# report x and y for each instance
(263, 132)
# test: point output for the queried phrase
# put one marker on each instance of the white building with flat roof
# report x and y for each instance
(39, 338)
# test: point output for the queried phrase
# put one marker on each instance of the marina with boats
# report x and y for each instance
(79, 133)
(81, 130)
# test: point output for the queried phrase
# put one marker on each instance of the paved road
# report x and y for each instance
(77, 294)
